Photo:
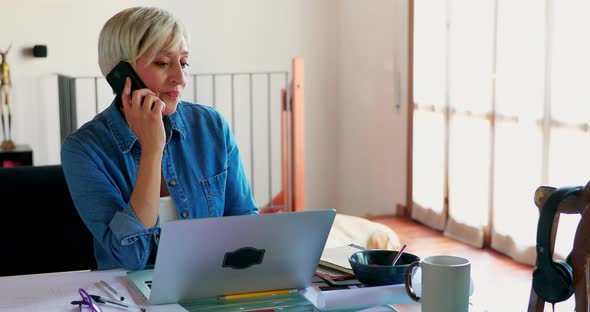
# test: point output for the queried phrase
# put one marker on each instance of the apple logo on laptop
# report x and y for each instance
(243, 258)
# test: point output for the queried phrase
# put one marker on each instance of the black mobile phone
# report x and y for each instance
(116, 78)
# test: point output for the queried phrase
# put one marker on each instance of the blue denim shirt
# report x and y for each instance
(201, 165)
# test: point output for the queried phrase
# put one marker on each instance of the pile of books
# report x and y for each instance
(334, 268)
(336, 287)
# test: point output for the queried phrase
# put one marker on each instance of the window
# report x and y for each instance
(501, 96)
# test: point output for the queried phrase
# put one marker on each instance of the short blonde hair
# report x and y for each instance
(132, 32)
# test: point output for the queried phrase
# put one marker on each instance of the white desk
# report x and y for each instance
(55, 291)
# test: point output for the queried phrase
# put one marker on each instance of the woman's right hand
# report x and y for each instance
(143, 112)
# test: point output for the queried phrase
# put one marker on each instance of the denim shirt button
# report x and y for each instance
(172, 183)
(185, 214)
(165, 151)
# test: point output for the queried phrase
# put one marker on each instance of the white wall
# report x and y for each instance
(355, 139)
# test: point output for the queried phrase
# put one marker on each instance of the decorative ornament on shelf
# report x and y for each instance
(5, 114)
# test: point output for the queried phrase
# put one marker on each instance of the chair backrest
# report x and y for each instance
(575, 271)
(40, 228)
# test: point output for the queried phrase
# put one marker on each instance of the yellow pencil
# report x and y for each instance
(259, 294)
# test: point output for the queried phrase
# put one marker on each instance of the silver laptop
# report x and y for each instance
(213, 257)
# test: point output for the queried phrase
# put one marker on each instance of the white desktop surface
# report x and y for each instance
(55, 291)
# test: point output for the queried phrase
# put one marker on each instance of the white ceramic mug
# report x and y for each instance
(445, 283)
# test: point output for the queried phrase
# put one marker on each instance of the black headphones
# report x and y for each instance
(553, 281)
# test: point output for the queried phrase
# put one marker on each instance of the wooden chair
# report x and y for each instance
(581, 248)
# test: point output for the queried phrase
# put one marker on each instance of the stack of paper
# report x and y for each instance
(357, 297)
(326, 298)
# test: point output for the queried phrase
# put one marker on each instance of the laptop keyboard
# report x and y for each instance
(148, 284)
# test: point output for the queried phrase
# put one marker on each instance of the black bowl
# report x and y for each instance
(373, 267)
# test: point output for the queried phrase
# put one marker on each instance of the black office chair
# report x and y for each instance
(40, 229)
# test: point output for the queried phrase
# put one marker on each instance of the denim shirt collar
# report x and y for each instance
(123, 135)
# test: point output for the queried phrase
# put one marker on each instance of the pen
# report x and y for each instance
(112, 291)
(259, 294)
(104, 301)
(100, 300)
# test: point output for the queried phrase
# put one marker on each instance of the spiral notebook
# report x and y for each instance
(337, 257)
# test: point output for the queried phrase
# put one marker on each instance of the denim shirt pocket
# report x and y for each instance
(214, 190)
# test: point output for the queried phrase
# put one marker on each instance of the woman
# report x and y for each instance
(149, 157)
